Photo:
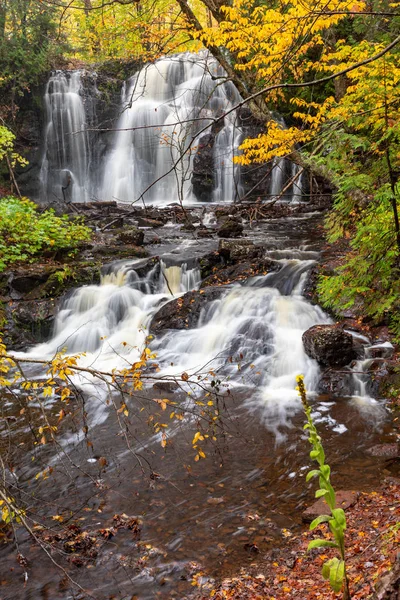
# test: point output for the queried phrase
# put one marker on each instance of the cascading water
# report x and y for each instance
(64, 173)
(165, 106)
(261, 322)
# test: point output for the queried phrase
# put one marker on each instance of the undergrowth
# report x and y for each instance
(25, 232)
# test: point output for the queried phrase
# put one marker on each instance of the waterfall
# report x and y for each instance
(165, 107)
(64, 172)
(170, 116)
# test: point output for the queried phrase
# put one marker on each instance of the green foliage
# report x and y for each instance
(335, 568)
(29, 39)
(367, 278)
(7, 139)
(25, 233)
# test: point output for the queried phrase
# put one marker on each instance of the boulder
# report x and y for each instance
(338, 384)
(329, 345)
(183, 312)
(239, 272)
(131, 235)
(35, 317)
(236, 250)
(231, 228)
(203, 169)
(344, 500)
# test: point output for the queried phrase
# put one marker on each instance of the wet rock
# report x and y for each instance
(336, 383)
(108, 250)
(35, 317)
(384, 350)
(385, 450)
(183, 312)
(344, 500)
(146, 222)
(239, 272)
(188, 226)
(203, 232)
(329, 345)
(131, 235)
(231, 228)
(210, 263)
(167, 387)
(203, 169)
(23, 282)
(233, 251)
(42, 281)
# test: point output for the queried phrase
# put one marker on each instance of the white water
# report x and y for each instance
(164, 108)
(65, 164)
(250, 336)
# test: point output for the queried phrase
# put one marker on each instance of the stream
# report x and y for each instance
(220, 513)
(152, 517)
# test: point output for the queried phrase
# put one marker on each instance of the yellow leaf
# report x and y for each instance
(197, 437)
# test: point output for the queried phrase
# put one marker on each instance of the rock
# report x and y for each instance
(233, 251)
(336, 383)
(344, 500)
(188, 226)
(36, 317)
(145, 222)
(183, 312)
(231, 228)
(107, 250)
(131, 235)
(203, 232)
(23, 282)
(210, 263)
(388, 587)
(203, 169)
(383, 350)
(167, 387)
(385, 450)
(239, 272)
(329, 345)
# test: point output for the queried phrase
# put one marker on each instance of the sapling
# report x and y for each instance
(333, 569)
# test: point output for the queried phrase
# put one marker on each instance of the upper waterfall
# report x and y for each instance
(65, 164)
(165, 108)
(175, 137)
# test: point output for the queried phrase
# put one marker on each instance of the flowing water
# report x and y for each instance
(64, 173)
(250, 488)
(165, 111)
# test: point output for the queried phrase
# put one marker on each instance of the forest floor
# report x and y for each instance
(372, 548)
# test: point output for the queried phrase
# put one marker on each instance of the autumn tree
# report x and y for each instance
(29, 38)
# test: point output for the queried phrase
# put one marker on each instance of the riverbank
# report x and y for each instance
(372, 558)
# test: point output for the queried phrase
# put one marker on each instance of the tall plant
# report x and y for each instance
(333, 569)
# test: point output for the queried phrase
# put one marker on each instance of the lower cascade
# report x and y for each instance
(250, 334)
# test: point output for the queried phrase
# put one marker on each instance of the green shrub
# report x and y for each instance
(25, 233)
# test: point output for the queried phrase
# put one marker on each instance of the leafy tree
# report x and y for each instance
(28, 40)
